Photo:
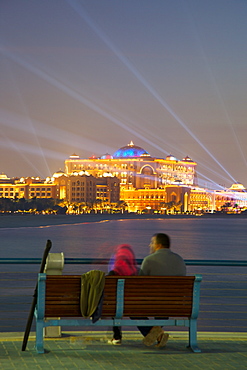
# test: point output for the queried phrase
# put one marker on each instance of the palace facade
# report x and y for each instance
(130, 177)
(135, 168)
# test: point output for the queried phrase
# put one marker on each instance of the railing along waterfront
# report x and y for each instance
(223, 304)
(105, 261)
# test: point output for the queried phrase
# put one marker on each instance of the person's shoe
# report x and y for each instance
(152, 336)
(162, 340)
(115, 342)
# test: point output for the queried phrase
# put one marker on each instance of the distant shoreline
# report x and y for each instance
(32, 220)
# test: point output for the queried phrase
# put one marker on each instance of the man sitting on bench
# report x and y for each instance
(161, 262)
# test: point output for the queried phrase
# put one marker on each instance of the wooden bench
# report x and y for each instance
(129, 296)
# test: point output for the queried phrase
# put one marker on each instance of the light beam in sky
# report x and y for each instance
(213, 81)
(84, 15)
(28, 120)
(58, 135)
(71, 92)
(151, 134)
(21, 149)
(74, 94)
(43, 130)
(30, 149)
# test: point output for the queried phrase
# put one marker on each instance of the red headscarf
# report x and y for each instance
(124, 261)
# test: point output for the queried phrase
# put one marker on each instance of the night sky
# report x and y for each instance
(89, 76)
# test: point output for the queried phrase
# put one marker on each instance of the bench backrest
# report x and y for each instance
(160, 296)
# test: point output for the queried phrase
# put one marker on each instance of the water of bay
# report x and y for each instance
(193, 238)
(96, 236)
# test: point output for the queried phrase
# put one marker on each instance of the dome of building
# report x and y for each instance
(3, 176)
(171, 158)
(74, 156)
(58, 174)
(130, 151)
(187, 159)
(106, 156)
(238, 187)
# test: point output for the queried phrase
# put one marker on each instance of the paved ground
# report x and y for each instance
(91, 351)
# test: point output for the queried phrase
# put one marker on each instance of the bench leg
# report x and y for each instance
(193, 336)
(39, 337)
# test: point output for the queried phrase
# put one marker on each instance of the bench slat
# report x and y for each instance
(165, 296)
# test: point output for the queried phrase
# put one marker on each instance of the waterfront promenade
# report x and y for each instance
(222, 304)
(91, 351)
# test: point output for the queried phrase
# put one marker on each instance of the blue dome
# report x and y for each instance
(106, 156)
(130, 151)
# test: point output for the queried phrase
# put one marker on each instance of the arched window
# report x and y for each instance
(147, 175)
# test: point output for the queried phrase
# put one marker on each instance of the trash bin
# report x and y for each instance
(54, 266)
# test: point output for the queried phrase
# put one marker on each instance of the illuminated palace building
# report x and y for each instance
(145, 182)
(152, 184)
(130, 177)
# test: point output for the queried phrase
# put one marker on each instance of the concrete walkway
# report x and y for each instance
(90, 350)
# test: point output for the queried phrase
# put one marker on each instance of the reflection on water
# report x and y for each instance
(197, 238)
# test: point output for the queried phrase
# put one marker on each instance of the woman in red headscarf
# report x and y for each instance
(123, 263)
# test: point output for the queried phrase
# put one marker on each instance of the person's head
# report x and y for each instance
(159, 241)
(125, 261)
